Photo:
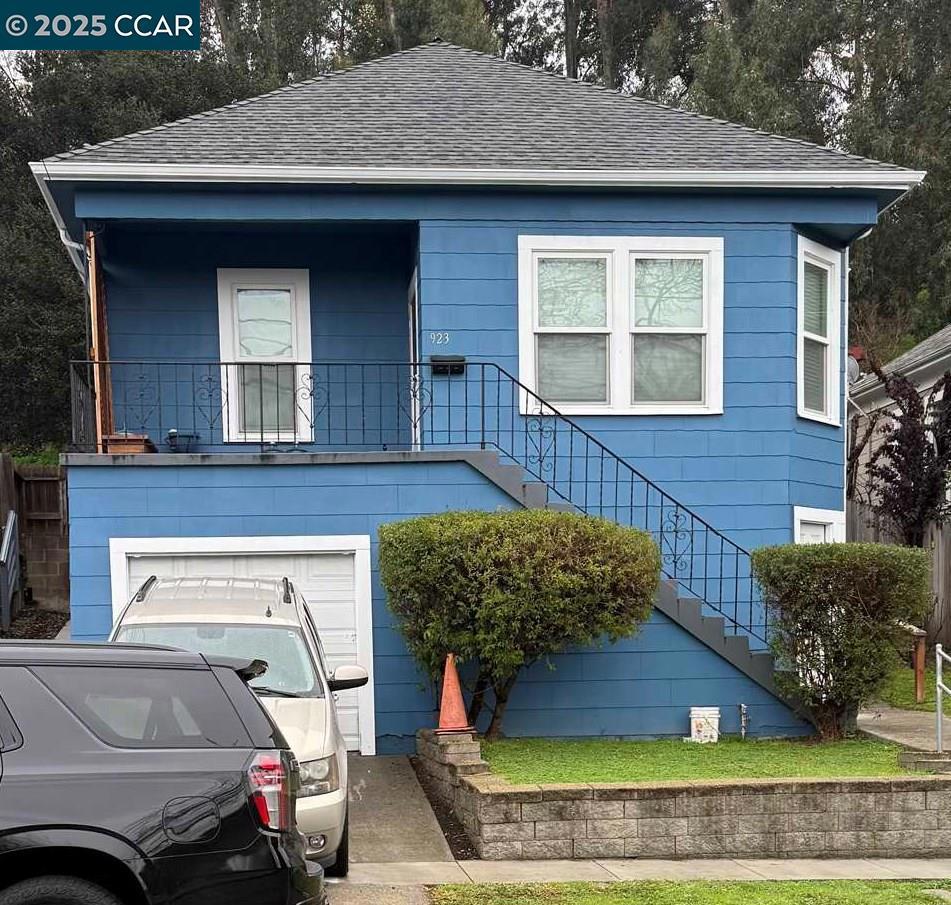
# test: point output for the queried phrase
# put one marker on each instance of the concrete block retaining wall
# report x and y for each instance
(850, 818)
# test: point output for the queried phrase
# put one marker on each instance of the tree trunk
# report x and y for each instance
(341, 54)
(858, 67)
(228, 33)
(502, 691)
(572, 19)
(835, 723)
(859, 436)
(389, 14)
(608, 73)
(478, 699)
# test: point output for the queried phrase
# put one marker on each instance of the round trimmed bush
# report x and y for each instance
(509, 588)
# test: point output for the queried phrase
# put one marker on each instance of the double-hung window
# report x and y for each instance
(264, 328)
(669, 330)
(819, 314)
(573, 302)
(621, 325)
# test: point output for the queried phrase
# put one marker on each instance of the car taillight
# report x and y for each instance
(271, 790)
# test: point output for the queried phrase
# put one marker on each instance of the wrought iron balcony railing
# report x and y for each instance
(229, 406)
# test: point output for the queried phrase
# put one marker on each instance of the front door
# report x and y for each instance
(264, 330)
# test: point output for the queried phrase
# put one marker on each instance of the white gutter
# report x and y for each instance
(84, 171)
(74, 249)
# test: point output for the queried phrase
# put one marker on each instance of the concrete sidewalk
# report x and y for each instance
(913, 729)
(439, 872)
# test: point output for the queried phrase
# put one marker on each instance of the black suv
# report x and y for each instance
(138, 775)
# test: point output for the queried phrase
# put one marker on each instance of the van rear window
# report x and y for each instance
(148, 708)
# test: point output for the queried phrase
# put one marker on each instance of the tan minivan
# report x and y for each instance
(268, 620)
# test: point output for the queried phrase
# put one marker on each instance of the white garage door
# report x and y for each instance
(328, 580)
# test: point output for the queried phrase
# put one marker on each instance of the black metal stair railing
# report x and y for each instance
(211, 406)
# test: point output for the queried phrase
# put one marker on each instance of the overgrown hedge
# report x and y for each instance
(509, 588)
(834, 613)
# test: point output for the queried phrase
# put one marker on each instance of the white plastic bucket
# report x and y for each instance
(704, 724)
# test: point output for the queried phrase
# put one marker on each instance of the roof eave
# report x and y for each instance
(913, 373)
(96, 171)
(41, 177)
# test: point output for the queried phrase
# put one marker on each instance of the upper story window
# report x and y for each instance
(622, 325)
(819, 315)
(264, 329)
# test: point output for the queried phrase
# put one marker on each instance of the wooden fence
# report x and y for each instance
(863, 525)
(41, 492)
(37, 494)
(8, 487)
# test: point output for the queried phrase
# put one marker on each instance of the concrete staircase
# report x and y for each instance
(509, 478)
(925, 761)
(687, 612)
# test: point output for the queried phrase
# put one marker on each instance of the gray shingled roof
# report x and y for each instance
(927, 351)
(438, 106)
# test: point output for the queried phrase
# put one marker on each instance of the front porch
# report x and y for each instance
(203, 336)
(238, 407)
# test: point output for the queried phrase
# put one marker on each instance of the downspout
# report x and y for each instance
(76, 251)
(78, 247)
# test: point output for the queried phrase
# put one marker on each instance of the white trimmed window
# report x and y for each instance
(264, 337)
(819, 316)
(818, 526)
(622, 325)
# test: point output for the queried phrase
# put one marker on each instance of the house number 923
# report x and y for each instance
(439, 338)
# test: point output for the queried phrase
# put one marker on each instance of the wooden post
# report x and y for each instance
(99, 353)
(919, 641)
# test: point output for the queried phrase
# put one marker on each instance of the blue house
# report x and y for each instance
(438, 281)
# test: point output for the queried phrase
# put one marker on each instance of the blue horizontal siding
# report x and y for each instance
(638, 687)
(717, 465)
(162, 306)
(742, 471)
(459, 208)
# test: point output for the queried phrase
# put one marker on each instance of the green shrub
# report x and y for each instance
(507, 589)
(834, 611)
(425, 564)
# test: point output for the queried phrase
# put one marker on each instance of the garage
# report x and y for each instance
(331, 572)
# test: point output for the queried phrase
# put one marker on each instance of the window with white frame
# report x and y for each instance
(622, 325)
(819, 316)
(818, 526)
(264, 336)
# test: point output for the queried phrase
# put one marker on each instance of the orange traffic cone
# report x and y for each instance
(452, 709)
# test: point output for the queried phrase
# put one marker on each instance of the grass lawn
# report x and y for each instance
(838, 892)
(900, 690)
(599, 760)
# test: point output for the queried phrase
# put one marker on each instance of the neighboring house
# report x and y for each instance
(923, 365)
(443, 281)
(869, 404)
